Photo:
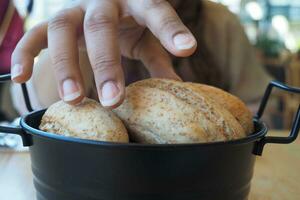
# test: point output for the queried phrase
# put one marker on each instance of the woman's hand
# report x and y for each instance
(109, 28)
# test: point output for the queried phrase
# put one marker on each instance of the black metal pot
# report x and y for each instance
(75, 169)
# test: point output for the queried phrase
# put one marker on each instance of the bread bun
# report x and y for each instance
(160, 111)
(228, 101)
(88, 120)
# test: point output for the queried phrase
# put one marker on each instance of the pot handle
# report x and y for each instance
(7, 77)
(296, 124)
(26, 138)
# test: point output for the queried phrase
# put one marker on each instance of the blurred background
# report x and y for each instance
(272, 27)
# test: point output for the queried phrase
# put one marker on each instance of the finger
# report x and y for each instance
(155, 58)
(27, 49)
(164, 23)
(63, 50)
(101, 35)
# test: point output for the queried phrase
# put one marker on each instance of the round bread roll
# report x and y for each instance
(88, 120)
(228, 101)
(160, 111)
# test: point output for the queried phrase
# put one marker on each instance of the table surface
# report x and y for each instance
(276, 175)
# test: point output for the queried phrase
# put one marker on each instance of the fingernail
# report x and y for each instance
(70, 90)
(184, 41)
(110, 94)
(16, 71)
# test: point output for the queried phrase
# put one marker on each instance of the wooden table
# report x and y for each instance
(276, 177)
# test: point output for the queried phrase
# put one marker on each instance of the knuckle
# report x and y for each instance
(16, 54)
(104, 64)
(169, 24)
(98, 21)
(22, 50)
(19, 52)
(59, 21)
(34, 29)
(59, 61)
(150, 4)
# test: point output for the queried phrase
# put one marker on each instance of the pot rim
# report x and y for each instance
(259, 134)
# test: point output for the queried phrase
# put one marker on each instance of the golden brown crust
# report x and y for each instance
(166, 111)
(87, 120)
(228, 101)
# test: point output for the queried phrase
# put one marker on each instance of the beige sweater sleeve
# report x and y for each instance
(232, 50)
(248, 77)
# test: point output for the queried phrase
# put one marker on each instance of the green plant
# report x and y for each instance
(269, 46)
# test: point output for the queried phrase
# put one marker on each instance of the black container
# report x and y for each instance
(67, 168)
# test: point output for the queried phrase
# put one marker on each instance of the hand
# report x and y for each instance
(138, 29)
